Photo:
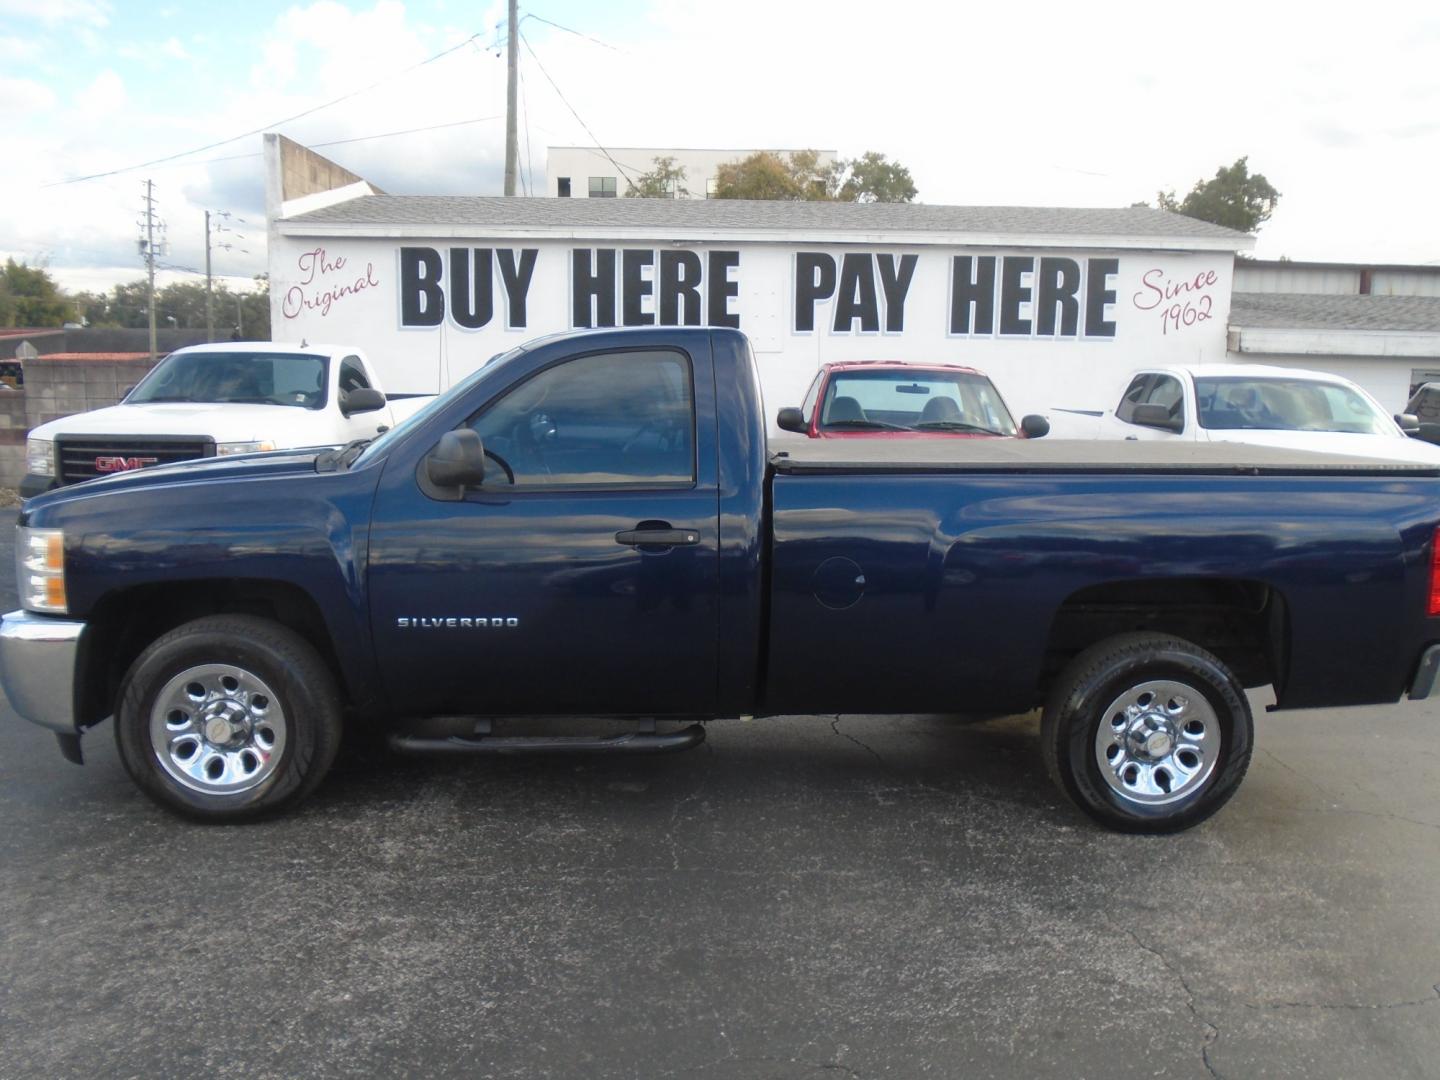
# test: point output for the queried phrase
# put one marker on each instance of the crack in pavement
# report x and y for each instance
(1359, 1006)
(1214, 1032)
(835, 727)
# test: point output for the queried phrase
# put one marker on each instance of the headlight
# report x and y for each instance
(225, 449)
(40, 569)
(40, 457)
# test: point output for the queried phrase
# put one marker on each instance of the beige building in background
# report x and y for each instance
(586, 172)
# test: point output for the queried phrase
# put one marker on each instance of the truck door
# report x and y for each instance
(581, 576)
(1154, 388)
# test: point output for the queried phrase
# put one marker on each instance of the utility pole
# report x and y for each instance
(512, 147)
(148, 246)
(217, 222)
(209, 310)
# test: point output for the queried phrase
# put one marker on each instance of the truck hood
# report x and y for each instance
(239, 467)
(222, 422)
(1392, 447)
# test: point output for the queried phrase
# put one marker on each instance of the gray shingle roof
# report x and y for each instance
(1313, 311)
(838, 217)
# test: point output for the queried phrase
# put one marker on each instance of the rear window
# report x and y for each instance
(924, 400)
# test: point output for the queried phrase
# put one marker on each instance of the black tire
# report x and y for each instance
(289, 669)
(1102, 675)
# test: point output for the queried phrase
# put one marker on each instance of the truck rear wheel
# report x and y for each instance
(1147, 733)
(228, 717)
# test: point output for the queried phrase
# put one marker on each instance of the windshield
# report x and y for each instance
(1280, 404)
(925, 399)
(236, 378)
(433, 406)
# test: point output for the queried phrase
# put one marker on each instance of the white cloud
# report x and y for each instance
(173, 48)
(104, 96)
(21, 96)
(93, 12)
(16, 49)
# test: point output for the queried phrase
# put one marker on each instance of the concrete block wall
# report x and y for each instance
(56, 388)
(13, 426)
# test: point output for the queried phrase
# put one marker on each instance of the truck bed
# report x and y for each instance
(1072, 456)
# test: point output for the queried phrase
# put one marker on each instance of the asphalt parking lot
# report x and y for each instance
(799, 898)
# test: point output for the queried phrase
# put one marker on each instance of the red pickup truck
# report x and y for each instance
(888, 399)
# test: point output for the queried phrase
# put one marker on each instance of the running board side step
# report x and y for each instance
(637, 742)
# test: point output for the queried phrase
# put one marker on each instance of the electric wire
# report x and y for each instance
(528, 48)
(568, 30)
(264, 127)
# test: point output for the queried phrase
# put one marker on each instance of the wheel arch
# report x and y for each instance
(125, 621)
(1245, 622)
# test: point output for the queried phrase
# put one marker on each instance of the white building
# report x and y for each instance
(587, 172)
(1376, 324)
(1056, 304)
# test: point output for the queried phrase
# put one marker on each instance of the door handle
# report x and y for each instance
(658, 537)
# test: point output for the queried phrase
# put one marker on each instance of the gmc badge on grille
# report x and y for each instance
(111, 464)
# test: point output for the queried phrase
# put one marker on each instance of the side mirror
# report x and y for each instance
(458, 460)
(1428, 432)
(1409, 424)
(1035, 426)
(361, 399)
(792, 419)
(1156, 416)
(126, 392)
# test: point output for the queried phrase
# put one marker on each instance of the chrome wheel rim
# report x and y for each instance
(1157, 742)
(217, 729)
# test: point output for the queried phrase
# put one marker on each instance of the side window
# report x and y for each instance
(811, 397)
(624, 419)
(352, 375)
(1134, 395)
(1167, 392)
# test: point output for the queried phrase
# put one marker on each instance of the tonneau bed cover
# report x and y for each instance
(1082, 455)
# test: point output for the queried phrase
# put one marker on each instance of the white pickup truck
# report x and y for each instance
(1252, 403)
(215, 400)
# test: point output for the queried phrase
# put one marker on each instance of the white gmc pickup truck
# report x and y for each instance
(219, 399)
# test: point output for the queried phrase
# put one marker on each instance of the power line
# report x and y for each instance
(573, 113)
(406, 131)
(265, 127)
(577, 33)
(529, 166)
(338, 142)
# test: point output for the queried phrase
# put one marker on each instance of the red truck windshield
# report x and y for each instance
(922, 400)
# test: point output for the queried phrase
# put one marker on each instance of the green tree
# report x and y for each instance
(803, 176)
(760, 176)
(129, 304)
(874, 179)
(255, 307)
(1233, 198)
(30, 297)
(93, 308)
(665, 181)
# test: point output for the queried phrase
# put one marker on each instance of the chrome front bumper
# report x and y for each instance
(38, 656)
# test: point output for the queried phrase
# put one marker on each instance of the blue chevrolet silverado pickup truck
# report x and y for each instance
(593, 526)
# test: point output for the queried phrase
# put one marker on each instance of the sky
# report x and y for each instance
(1042, 104)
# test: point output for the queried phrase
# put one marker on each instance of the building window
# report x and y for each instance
(563, 187)
(602, 187)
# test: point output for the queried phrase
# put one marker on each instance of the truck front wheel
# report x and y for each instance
(228, 717)
(1147, 733)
